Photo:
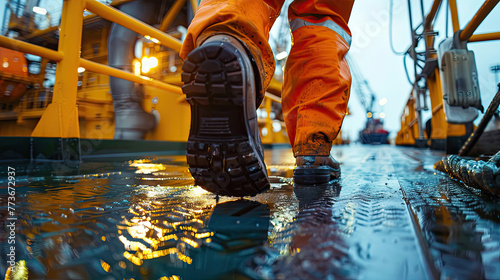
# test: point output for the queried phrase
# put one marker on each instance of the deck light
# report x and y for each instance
(40, 10)
(148, 63)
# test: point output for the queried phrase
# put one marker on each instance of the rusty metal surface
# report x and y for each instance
(390, 216)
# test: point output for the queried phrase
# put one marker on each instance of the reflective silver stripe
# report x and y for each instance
(297, 23)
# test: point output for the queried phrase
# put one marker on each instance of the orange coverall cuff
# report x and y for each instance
(315, 149)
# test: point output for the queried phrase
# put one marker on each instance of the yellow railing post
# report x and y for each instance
(60, 119)
(439, 124)
(268, 105)
(454, 15)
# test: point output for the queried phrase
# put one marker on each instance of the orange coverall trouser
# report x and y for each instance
(317, 80)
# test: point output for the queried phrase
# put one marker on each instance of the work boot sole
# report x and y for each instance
(222, 154)
(315, 175)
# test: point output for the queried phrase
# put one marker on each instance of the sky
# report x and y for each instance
(384, 70)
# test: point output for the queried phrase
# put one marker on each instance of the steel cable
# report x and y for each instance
(476, 174)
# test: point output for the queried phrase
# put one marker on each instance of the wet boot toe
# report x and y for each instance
(316, 170)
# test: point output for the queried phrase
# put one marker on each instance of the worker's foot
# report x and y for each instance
(224, 151)
(316, 170)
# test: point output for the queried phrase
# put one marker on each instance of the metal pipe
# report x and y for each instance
(485, 37)
(131, 121)
(414, 41)
(131, 23)
(454, 15)
(432, 14)
(24, 47)
(438, 107)
(478, 18)
(194, 6)
(482, 125)
(273, 97)
(172, 13)
(107, 70)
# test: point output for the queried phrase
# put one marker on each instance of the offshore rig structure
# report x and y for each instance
(65, 96)
(93, 79)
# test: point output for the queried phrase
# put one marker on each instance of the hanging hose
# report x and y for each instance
(477, 174)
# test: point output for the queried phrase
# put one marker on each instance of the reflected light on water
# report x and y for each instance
(105, 266)
(146, 167)
(19, 273)
(150, 234)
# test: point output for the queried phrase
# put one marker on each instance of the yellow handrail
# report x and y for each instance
(111, 71)
(21, 46)
(60, 119)
(485, 37)
(133, 24)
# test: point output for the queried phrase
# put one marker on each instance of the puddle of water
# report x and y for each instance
(144, 219)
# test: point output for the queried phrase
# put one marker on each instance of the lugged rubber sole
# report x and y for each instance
(221, 154)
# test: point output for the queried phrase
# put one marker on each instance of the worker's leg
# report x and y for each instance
(247, 20)
(228, 63)
(317, 79)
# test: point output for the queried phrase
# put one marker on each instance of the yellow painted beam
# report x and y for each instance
(477, 19)
(172, 13)
(133, 24)
(60, 119)
(108, 70)
(439, 124)
(485, 37)
(454, 15)
(275, 87)
(273, 97)
(194, 6)
(24, 47)
(432, 14)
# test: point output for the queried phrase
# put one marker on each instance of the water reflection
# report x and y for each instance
(145, 220)
(319, 250)
(195, 243)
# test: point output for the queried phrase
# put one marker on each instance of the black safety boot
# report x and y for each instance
(316, 170)
(224, 151)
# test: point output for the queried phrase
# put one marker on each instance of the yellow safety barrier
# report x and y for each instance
(441, 130)
(60, 119)
(30, 48)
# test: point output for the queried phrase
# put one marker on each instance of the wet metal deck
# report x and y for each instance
(390, 216)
